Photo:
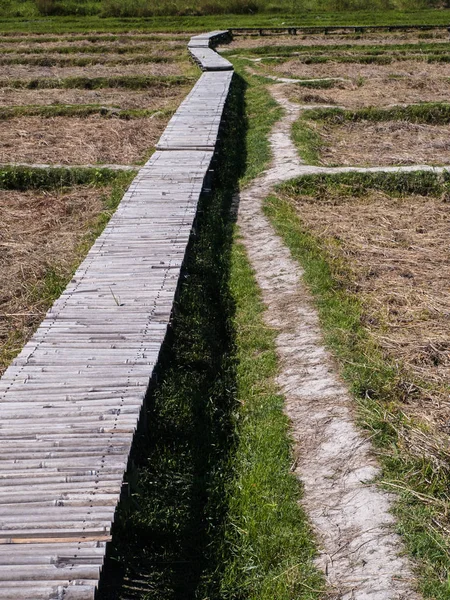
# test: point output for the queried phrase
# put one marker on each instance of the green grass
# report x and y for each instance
(318, 84)
(78, 110)
(261, 112)
(51, 61)
(149, 8)
(434, 113)
(131, 82)
(96, 48)
(25, 178)
(377, 382)
(267, 533)
(307, 141)
(12, 21)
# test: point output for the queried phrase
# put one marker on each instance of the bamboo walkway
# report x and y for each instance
(70, 402)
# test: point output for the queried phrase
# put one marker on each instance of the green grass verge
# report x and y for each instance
(268, 534)
(307, 141)
(376, 381)
(78, 110)
(261, 112)
(132, 82)
(17, 38)
(96, 48)
(25, 178)
(435, 113)
(51, 61)
(318, 84)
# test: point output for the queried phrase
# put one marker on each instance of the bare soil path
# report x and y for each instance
(359, 551)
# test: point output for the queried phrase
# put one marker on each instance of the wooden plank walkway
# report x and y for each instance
(209, 60)
(196, 123)
(70, 402)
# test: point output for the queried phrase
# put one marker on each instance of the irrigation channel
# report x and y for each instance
(71, 400)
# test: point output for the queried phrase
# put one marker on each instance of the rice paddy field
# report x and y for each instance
(211, 505)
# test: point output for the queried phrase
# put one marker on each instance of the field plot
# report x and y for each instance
(157, 98)
(41, 240)
(78, 141)
(84, 121)
(394, 251)
(257, 42)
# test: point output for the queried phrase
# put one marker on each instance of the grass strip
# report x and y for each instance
(261, 112)
(358, 184)
(52, 61)
(268, 535)
(78, 110)
(12, 21)
(26, 178)
(43, 294)
(14, 38)
(132, 82)
(435, 113)
(375, 380)
(94, 49)
(318, 84)
(308, 142)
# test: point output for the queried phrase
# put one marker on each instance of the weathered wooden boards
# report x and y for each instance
(209, 60)
(205, 40)
(200, 49)
(196, 123)
(70, 402)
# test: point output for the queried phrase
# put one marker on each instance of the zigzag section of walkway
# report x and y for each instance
(70, 402)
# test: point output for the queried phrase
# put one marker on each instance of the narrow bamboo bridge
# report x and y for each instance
(70, 402)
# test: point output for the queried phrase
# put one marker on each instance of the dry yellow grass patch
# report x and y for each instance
(78, 141)
(397, 252)
(40, 232)
(366, 143)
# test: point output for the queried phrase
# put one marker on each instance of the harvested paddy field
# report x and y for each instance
(375, 91)
(25, 72)
(79, 141)
(396, 257)
(382, 144)
(157, 98)
(40, 239)
(73, 131)
(356, 72)
(122, 46)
